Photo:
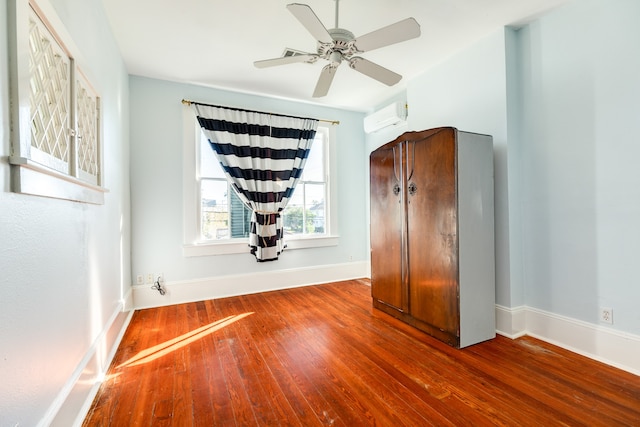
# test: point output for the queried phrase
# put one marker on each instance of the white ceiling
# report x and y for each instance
(214, 42)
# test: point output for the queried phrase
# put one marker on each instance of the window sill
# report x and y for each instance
(241, 246)
(29, 177)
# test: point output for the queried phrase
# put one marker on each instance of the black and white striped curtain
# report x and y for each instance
(262, 156)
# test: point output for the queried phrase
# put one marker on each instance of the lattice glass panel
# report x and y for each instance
(49, 69)
(87, 122)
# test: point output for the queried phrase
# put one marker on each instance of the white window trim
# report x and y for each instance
(28, 176)
(193, 246)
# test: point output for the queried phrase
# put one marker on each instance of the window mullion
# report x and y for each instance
(304, 208)
(199, 211)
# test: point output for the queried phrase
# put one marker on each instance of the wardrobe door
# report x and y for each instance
(433, 239)
(387, 221)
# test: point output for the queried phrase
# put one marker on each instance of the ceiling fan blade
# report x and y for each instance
(285, 60)
(310, 21)
(374, 71)
(324, 82)
(406, 29)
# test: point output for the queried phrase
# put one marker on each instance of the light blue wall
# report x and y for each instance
(64, 265)
(469, 92)
(513, 175)
(580, 151)
(561, 98)
(156, 181)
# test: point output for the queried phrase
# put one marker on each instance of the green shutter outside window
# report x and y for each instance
(240, 217)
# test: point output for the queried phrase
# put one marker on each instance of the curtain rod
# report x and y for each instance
(187, 102)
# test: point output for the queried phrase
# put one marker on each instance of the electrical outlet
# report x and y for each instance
(159, 277)
(139, 279)
(150, 278)
(606, 315)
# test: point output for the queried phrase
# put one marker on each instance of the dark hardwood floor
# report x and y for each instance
(321, 355)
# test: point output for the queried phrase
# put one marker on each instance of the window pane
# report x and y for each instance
(314, 168)
(305, 213)
(209, 165)
(315, 210)
(293, 213)
(215, 212)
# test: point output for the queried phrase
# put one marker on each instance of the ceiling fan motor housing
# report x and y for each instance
(343, 42)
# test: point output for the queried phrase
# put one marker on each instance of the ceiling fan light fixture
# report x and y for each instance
(335, 58)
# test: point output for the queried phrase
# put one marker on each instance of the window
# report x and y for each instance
(217, 222)
(55, 122)
(224, 216)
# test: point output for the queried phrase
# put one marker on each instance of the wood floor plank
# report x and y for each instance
(491, 399)
(324, 396)
(301, 400)
(132, 393)
(381, 347)
(163, 367)
(182, 395)
(220, 397)
(321, 355)
(234, 373)
(385, 405)
(481, 392)
(552, 367)
(410, 367)
(288, 401)
(250, 363)
(199, 355)
(150, 384)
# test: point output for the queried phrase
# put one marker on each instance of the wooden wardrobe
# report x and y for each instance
(432, 233)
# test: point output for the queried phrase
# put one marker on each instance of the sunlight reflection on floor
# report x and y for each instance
(167, 347)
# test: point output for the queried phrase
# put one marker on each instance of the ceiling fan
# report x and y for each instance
(338, 44)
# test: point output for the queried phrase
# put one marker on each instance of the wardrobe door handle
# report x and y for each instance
(413, 188)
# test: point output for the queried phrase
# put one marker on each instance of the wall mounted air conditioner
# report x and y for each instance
(390, 115)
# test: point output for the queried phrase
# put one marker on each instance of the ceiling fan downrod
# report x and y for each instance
(342, 41)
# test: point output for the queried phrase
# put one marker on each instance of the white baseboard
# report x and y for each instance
(242, 284)
(511, 322)
(596, 342)
(127, 301)
(75, 399)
